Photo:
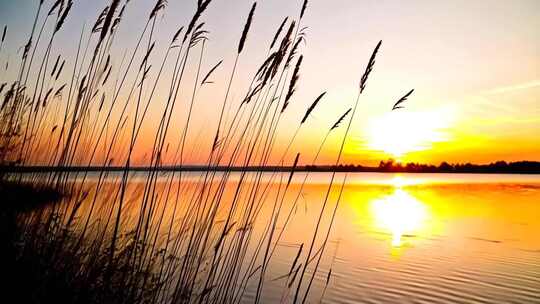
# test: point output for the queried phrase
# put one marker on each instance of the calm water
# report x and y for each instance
(432, 238)
(439, 238)
(402, 238)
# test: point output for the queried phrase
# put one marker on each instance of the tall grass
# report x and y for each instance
(148, 237)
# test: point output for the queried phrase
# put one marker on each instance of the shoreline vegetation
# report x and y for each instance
(159, 241)
(390, 166)
(111, 240)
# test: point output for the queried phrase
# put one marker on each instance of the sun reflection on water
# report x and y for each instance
(399, 213)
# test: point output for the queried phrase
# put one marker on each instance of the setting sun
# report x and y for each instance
(398, 132)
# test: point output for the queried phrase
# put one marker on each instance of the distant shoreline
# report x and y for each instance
(531, 168)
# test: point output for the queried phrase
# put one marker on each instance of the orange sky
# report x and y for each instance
(475, 68)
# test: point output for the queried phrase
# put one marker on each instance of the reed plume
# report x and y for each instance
(287, 39)
(312, 107)
(55, 65)
(4, 31)
(402, 99)
(292, 84)
(58, 92)
(205, 79)
(304, 6)
(341, 118)
(101, 102)
(145, 59)
(63, 16)
(60, 70)
(293, 169)
(108, 20)
(280, 28)
(107, 62)
(267, 64)
(293, 51)
(369, 67)
(177, 34)
(200, 9)
(252, 93)
(199, 34)
(82, 88)
(54, 7)
(107, 76)
(9, 94)
(46, 97)
(160, 4)
(246, 28)
(99, 22)
(118, 18)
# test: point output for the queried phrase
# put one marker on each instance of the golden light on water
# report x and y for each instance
(399, 181)
(400, 214)
(399, 132)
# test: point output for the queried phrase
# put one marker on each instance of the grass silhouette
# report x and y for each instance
(138, 238)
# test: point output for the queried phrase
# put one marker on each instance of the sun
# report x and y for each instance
(398, 133)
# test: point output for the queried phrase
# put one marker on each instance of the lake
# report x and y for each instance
(395, 238)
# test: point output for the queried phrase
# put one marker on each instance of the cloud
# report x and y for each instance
(516, 87)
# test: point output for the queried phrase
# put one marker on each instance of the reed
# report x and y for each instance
(362, 86)
(145, 237)
(312, 107)
(398, 103)
(4, 32)
(278, 32)
(246, 28)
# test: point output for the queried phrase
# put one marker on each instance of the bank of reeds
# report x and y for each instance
(144, 237)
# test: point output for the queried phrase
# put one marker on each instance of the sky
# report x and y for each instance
(474, 65)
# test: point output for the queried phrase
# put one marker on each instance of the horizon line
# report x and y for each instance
(395, 167)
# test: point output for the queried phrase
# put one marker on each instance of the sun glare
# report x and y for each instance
(400, 132)
(399, 214)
